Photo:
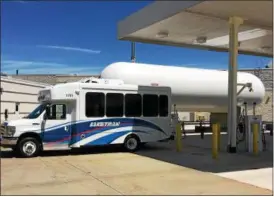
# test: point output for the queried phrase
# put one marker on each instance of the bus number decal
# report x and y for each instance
(69, 95)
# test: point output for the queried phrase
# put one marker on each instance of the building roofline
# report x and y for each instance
(57, 75)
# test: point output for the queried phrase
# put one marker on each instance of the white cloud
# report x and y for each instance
(14, 64)
(20, 1)
(33, 67)
(71, 49)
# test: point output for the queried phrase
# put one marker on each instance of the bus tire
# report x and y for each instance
(29, 147)
(132, 143)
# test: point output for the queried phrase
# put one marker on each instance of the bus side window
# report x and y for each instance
(163, 105)
(133, 105)
(114, 105)
(150, 105)
(57, 112)
(95, 104)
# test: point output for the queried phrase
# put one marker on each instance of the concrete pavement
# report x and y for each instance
(106, 172)
(257, 177)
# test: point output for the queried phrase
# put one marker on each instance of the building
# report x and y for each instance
(19, 92)
(18, 97)
(51, 78)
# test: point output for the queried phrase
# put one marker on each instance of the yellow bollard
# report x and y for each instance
(178, 138)
(255, 130)
(215, 141)
(219, 136)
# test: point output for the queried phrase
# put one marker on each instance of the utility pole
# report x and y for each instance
(133, 56)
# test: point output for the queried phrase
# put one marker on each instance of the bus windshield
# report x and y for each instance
(36, 112)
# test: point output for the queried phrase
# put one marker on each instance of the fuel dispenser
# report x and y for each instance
(253, 132)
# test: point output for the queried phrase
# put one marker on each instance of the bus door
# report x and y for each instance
(56, 127)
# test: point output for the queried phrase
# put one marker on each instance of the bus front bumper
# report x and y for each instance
(8, 142)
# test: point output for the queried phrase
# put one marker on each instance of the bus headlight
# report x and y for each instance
(10, 131)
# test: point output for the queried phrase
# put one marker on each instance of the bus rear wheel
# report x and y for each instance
(29, 147)
(132, 143)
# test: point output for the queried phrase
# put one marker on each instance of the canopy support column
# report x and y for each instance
(232, 120)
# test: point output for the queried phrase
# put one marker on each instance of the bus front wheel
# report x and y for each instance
(132, 143)
(29, 147)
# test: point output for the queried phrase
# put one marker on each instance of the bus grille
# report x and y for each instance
(3, 130)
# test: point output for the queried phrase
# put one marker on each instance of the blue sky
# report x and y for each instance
(81, 38)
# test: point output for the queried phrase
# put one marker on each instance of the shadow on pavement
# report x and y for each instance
(5, 154)
(197, 154)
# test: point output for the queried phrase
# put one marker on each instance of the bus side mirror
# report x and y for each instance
(6, 114)
(47, 114)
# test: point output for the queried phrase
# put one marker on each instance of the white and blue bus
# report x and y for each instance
(92, 112)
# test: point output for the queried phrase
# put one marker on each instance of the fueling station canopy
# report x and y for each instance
(202, 25)
(243, 27)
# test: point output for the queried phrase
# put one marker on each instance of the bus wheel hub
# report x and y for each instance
(29, 148)
(132, 143)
